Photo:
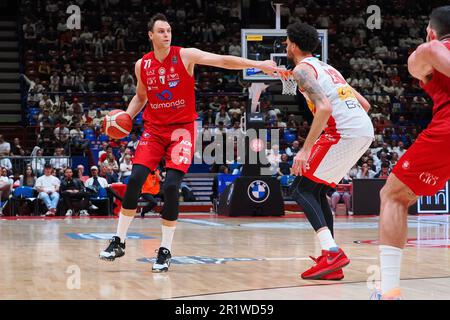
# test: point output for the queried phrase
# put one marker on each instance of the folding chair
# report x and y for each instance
(102, 197)
(22, 194)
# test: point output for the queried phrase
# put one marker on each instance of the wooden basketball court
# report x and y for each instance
(214, 258)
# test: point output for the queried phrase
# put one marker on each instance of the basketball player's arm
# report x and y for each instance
(140, 98)
(306, 80)
(195, 56)
(429, 56)
(362, 101)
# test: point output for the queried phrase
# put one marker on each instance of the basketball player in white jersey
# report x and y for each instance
(326, 157)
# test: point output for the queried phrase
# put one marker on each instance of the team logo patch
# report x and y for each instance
(406, 165)
(173, 84)
(258, 191)
(172, 70)
(172, 77)
(151, 81)
(428, 178)
(165, 95)
(162, 71)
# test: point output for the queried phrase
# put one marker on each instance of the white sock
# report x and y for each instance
(390, 262)
(167, 236)
(122, 226)
(326, 239)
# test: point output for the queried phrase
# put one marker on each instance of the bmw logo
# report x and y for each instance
(258, 191)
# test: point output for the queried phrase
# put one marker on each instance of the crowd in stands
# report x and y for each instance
(59, 185)
(68, 72)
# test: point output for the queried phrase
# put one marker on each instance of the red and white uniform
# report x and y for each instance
(425, 167)
(349, 132)
(169, 116)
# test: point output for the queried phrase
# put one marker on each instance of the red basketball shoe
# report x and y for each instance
(328, 264)
(336, 275)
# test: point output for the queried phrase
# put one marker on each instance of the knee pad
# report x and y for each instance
(171, 191)
(171, 195)
(171, 188)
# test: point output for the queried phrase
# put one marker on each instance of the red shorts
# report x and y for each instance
(173, 142)
(425, 166)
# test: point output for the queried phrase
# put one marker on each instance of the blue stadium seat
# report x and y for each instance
(23, 192)
(20, 195)
(102, 197)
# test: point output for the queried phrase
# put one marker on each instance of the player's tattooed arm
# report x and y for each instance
(307, 82)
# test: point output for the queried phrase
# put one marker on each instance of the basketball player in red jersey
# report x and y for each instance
(425, 167)
(165, 82)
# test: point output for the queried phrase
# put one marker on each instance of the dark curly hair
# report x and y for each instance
(304, 36)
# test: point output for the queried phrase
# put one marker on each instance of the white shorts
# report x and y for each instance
(332, 157)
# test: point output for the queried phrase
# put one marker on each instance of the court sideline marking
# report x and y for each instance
(297, 286)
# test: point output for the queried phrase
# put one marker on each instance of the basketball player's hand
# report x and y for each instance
(269, 67)
(301, 162)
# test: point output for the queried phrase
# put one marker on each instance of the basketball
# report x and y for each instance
(117, 124)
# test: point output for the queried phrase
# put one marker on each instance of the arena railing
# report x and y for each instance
(19, 163)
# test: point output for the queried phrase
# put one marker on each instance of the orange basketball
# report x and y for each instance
(117, 124)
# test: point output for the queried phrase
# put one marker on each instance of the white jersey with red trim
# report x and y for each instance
(348, 117)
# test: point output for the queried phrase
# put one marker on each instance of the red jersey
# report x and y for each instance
(170, 90)
(425, 167)
(438, 88)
